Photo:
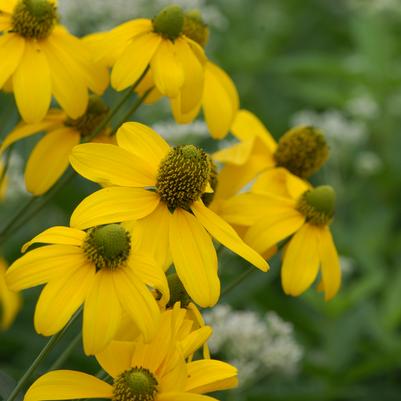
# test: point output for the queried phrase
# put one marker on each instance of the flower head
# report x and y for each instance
(162, 188)
(102, 268)
(44, 60)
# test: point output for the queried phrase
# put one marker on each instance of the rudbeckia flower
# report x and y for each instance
(161, 187)
(50, 155)
(283, 206)
(9, 300)
(156, 371)
(301, 150)
(174, 59)
(102, 268)
(3, 181)
(42, 59)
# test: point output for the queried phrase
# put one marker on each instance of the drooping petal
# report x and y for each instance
(58, 235)
(181, 117)
(42, 265)
(68, 86)
(330, 264)
(237, 154)
(183, 397)
(192, 342)
(220, 101)
(111, 165)
(112, 365)
(143, 142)
(32, 83)
(50, 158)
(137, 300)
(11, 50)
(208, 375)
(114, 205)
(194, 258)
(66, 385)
(61, 298)
(168, 73)
(102, 313)
(152, 233)
(226, 235)
(273, 228)
(301, 261)
(133, 61)
(10, 301)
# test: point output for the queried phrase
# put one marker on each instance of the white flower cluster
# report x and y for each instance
(375, 5)
(257, 346)
(175, 134)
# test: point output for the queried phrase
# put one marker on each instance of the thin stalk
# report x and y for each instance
(66, 353)
(42, 355)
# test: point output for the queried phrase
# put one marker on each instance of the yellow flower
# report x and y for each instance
(280, 206)
(3, 181)
(103, 269)
(301, 150)
(162, 187)
(50, 155)
(49, 158)
(10, 301)
(42, 59)
(157, 371)
(174, 60)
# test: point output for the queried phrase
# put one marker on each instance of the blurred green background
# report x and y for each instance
(334, 64)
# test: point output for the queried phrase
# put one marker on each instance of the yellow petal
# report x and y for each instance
(273, 228)
(24, 130)
(181, 117)
(237, 154)
(137, 301)
(42, 265)
(152, 233)
(183, 397)
(50, 158)
(220, 101)
(194, 258)
(102, 313)
(151, 274)
(301, 261)
(330, 264)
(112, 365)
(10, 301)
(5, 22)
(111, 165)
(143, 142)
(192, 89)
(31, 83)
(168, 73)
(68, 86)
(61, 298)
(11, 50)
(208, 375)
(95, 76)
(66, 385)
(246, 125)
(8, 5)
(192, 342)
(114, 205)
(58, 235)
(134, 60)
(226, 235)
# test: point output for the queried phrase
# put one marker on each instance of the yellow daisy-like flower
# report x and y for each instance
(10, 301)
(42, 59)
(49, 158)
(301, 150)
(3, 182)
(156, 371)
(175, 60)
(102, 268)
(162, 187)
(280, 206)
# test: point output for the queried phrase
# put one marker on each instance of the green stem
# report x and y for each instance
(66, 353)
(42, 355)
(237, 281)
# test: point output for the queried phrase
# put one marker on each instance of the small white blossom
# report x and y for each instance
(368, 163)
(176, 133)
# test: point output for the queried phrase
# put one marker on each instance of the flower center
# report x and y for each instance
(107, 246)
(34, 19)
(208, 197)
(318, 205)
(177, 292)
(94, 115)
(195, 28)
(182, 176)
(169, 22)
(302, 151)
(135, 384)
